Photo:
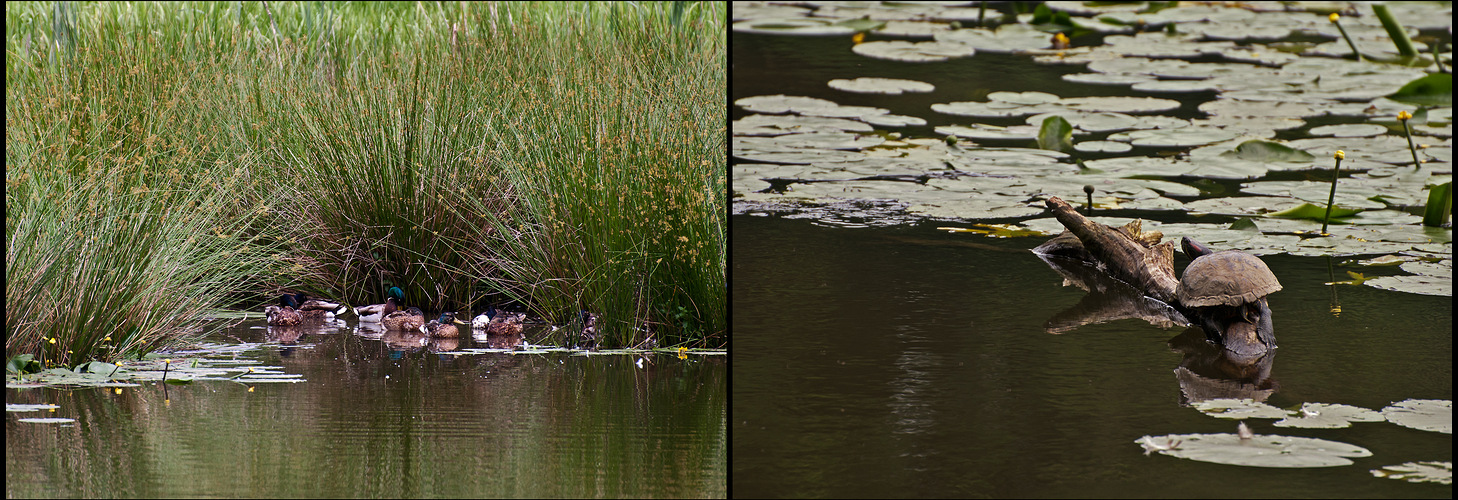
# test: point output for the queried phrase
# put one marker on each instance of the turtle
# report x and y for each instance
(1226, 291)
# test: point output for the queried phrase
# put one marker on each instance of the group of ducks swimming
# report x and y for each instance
(294, 309)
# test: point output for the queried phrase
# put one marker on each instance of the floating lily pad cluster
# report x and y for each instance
(1262, 76)
(1256, 450)
(155, 368)
(1249, 449)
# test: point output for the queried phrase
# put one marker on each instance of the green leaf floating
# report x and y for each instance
(1440, 204)
(1432, 90)
(1266, 151)
(1056, 134)
(1313, 212)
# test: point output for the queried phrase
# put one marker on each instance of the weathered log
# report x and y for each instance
(1132, 258)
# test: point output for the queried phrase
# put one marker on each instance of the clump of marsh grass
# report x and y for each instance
(615, 147)
(123, 224)
(564, 156)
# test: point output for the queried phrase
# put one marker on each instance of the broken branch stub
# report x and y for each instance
(1135, 260)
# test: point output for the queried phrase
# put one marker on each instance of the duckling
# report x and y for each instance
(445, 327)
(409, 319)
(281, 315)
(374, 313)
(589, 326)
(315, 309)
(498, 322)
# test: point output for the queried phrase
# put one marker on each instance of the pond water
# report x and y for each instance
(376, 419)
(882, 357)
(908, 362)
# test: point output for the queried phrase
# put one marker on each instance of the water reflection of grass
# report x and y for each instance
(165, 163)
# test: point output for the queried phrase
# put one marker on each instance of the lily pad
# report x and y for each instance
(989, 132)
(1102, 147)
(1329, 416)
(28, 407)
(1313, 212)
(1239, 409)
(1267, 151)
(1422, 414)
(1432, 90)
(892, 86)
(1121, 104)
(1441, 286)
(780, 104)
(1255, 451)
(1007, 38)
(46, 420)
(897, 50)
(1418, 472)
(1179, 137)
(773, 125)
(1350, 130)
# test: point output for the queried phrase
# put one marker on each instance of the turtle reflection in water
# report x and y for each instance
(1227, 292)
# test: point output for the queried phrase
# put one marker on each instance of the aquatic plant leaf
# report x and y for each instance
(22, 363)
(1418, 472)
(897, 50)
(1239, 409)
(1008, 38)
(1102, 147)
(1433, 90)
(1350, 130)
(1422, 414)
(1267, 151)
(1121, 104)
(1093, 122)
(1313, 212)
(780, 104)
(1440, 204)
(891, 86)
(773, 125)
(29, 407)
(100, 367)
(46, 420)
(1329, 416)
(989, 132)
(1257, 451)
(1175, 86)
(1441, 286)
(1023, 98)
(1179, 137)
(995, 230)
(805, 26)
(1108, 78)
(1056, 134)
(990, 109)
(893, 120)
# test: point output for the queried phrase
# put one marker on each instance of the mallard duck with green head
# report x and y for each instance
(498, 322)
(445, 327)
(315, 309)
(377, 312)
(409, 319)
(282, 314)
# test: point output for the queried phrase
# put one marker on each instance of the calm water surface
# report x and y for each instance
(907, 362)
(376, 421)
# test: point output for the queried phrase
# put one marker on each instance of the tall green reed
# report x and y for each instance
(566, 156)
(123, 228)
(616, 148)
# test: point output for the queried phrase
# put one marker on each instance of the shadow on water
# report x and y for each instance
(905, 361)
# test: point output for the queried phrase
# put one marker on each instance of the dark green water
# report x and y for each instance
(907, 362)
(372, 421)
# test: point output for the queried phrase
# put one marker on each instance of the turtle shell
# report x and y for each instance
(1228, 278)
